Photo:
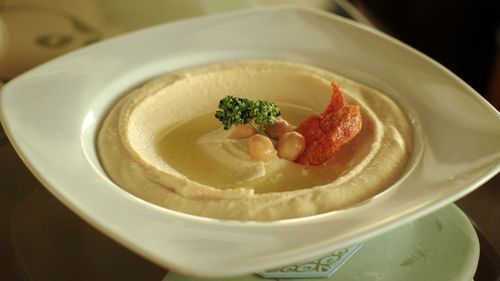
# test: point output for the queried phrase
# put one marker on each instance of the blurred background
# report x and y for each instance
(41, 239)
(462, 35)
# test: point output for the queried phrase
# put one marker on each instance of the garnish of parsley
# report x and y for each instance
(236, 111)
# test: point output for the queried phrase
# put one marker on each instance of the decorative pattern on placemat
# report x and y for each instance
(321, 267)
(33, 32)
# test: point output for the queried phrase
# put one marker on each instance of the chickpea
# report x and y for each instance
(261, 148)
(277, 129)
(243, 131)
(291, 145)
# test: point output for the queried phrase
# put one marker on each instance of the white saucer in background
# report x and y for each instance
(439, 246)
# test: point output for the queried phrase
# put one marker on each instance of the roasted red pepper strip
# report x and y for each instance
(326, 133)
(336, 101)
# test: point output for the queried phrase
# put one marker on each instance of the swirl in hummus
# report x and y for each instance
(161, 143)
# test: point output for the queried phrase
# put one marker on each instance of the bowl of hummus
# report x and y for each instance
(162, 143)
(127, 133)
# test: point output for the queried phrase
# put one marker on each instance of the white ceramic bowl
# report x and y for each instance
(52, 114)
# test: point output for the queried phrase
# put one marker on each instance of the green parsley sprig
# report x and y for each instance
(236, 111)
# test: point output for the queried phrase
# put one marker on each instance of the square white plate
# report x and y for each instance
(51, 115)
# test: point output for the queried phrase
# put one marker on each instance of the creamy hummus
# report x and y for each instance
(158, 144)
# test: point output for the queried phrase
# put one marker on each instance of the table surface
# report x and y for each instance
(40, 239)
